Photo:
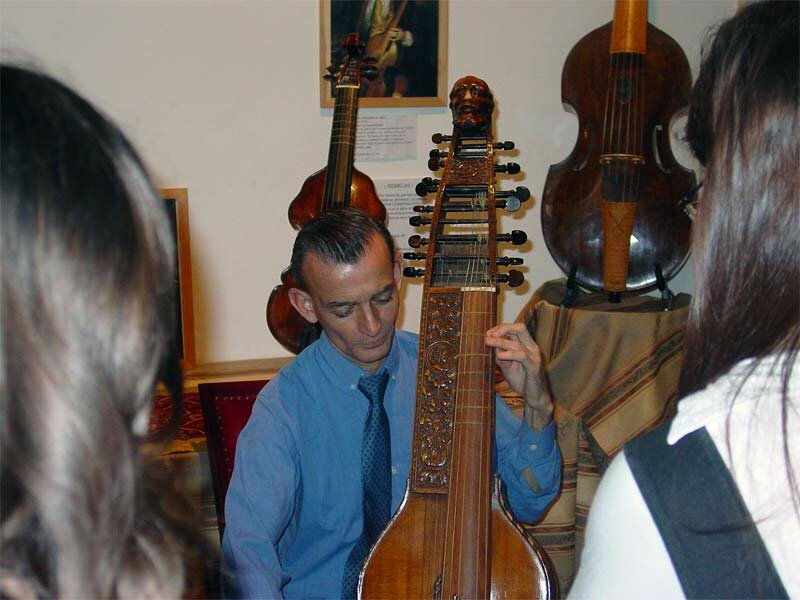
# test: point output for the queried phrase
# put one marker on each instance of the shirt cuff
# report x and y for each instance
(535, 446)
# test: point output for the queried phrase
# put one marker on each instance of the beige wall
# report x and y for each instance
(223, 98)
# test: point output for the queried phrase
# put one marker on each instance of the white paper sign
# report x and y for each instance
(386, 137)
(398, 196)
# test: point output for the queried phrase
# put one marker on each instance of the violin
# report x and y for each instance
(453, 536)
(338, 184)
(611, 211)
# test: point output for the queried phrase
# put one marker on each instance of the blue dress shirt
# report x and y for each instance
(294, 508)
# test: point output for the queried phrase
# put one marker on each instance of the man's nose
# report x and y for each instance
(370, 322)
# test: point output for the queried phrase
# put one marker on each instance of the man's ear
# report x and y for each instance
(303, 304)
(398, 269)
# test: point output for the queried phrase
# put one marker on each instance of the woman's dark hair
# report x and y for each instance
(339, 236)
(743, 126)
(87, 330)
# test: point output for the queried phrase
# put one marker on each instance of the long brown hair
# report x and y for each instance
(744, 126)
(87, 330)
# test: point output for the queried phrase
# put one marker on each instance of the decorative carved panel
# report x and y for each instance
(436, 386)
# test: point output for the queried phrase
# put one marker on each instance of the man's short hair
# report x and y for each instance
(339, 236)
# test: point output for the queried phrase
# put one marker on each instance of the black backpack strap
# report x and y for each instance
(709, 533)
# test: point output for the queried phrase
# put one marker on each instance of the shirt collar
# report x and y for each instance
(349, 373)
(739, 389)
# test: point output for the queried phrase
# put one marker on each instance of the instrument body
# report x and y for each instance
(453, 536)
(338, 184)
(626, 81)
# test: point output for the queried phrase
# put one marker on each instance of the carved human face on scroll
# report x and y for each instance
(471, 103)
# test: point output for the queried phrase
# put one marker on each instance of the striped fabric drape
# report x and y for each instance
(613, 370)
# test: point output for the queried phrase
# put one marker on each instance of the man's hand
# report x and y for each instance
(397, 35)
(521, 362)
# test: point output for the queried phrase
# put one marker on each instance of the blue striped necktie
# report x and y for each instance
(376, 478)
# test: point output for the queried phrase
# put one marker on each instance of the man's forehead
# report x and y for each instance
(333, 298)
(349, 282)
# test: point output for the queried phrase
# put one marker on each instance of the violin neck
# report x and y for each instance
(629, 29)
(341, 150)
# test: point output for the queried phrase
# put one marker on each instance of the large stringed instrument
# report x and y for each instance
(611, 212)
(453, 536)
(338, 184)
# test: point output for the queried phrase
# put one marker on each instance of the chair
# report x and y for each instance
(226, 408)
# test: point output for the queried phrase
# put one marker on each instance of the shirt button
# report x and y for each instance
(533, 446)
(394, 470)
(352, 386)
(393, 377)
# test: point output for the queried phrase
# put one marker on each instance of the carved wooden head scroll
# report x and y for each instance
(471, 102)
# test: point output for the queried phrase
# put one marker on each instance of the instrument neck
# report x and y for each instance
(341, 151)
(623, 128)
(629, 30)
(398, 14)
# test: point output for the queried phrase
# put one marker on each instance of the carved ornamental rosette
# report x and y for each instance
(436, 387)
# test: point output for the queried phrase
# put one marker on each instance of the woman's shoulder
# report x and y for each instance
(623, 554)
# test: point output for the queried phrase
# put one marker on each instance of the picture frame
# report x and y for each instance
(176, 201)
(408, 76)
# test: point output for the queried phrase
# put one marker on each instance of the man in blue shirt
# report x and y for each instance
(294, 506)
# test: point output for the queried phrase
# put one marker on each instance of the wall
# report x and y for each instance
(223, 98)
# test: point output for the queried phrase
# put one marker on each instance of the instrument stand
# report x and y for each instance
(572, 288)
(667, 297)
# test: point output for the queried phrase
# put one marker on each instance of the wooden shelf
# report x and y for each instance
(235, 370)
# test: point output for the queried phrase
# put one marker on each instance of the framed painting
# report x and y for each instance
(177, 204)
(407, 39)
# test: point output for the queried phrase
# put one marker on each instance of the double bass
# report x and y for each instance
(453, 536)
(338, 184)
(612, 215)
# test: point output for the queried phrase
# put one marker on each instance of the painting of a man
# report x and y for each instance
(403, 38)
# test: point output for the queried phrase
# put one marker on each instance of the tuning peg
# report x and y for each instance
(332, 73)
(504, 261)
(414, 255)
(415, 241)
(369, 72)
(417, 221)
(422, 209)
(513, 198)
(503, 146)
(513, 278)
(521, 193)
(516, 237)
(427, 185)
(436, 153)
(510, 168)
(412, 272)
(438, 138)
(434, 164)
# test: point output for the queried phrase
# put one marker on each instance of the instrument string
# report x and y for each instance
(626, 130)
(466, 552)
